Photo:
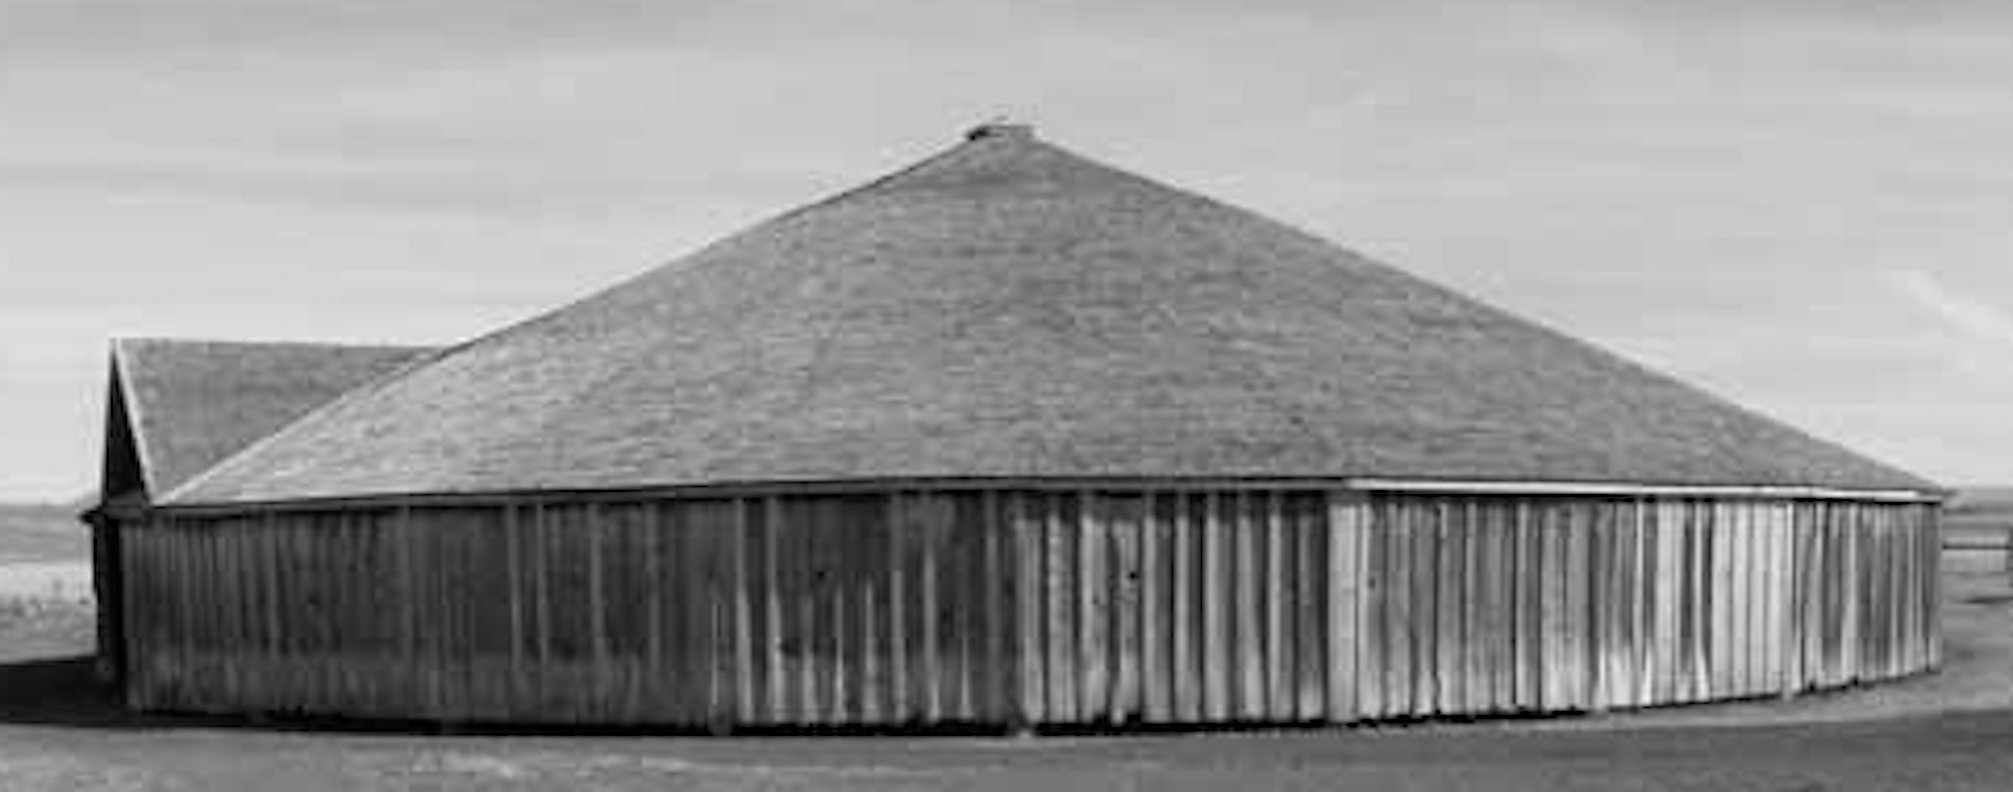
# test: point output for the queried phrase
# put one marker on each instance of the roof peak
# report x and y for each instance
(1001, 129)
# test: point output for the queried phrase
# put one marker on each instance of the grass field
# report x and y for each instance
(41, 532)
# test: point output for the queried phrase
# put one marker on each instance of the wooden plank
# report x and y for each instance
(688, 683)
(1273, 588)
(963, 561)
(1449, 537)
(1780, 566)
(929, 538)
(1926, 557)
(1425, 577)
(786, 628)
(1345, 603)
(1895, 558)
(1127, 602)
(1657, 568)
(901, 704)
(1740, 600)
(1720, 630)
(1643, 629)
(711, 700)
(1810, 570)
(1874, 573)
(1399, 634)
(1770, 580)
(1744, 599)
(1376, 532)
(1307, 519)
(408, 588)
(1093, 609)
(1625, 643)
(1870, 597)
(657, 587)
(856, 517)
(1854, 593)
(1580, 654)
(1475, 597)
(1155, 668)
(1794, 558)
(1184, 665)
(1032, 578)
(1215, 639)
(1911, 551)
(1599, 605)
(1831, 604)
(1248, 657)
(1521, 575)
(1758, 664)
(1929, 528)
(267, 625)
(869, 516)
(1895, 561)
(1514, 574)
(1663, 566)
(1755, 613)
(1555, 578)
(816, 537)
(712, 654)
(843, 706)
(770, 687)
(599, 673)
(1685, 606)
(1062, 667)
(1880, 582)
(1494, 607)
(141, 605)
(1611, 639)
(996, 590)
(1795, 568)
(1902, 548)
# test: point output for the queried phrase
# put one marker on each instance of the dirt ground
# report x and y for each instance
(1950, 730)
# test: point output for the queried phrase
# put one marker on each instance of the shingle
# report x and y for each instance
(1011, 309)
(196, 402)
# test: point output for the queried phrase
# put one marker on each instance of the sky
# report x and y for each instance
(1803, 205)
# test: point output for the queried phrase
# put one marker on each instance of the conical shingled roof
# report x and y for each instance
(1010, 309)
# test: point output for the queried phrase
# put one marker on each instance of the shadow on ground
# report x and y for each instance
(60, 691)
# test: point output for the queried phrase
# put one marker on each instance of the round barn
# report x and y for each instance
(1006, 438)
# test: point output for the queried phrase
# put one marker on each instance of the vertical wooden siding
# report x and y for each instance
(1025, 607)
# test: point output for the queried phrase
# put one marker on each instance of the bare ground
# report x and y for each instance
(1946, 731)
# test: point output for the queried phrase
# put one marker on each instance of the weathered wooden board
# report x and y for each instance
(1022, 607)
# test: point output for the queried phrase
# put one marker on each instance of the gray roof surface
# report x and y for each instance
(1010, 309)
(196, 402)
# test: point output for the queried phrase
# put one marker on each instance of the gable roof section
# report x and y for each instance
(189, 404)
(1010, 309)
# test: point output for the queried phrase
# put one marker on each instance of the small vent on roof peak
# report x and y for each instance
(1002, 129)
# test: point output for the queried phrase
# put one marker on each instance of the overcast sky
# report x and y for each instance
(1806, 206)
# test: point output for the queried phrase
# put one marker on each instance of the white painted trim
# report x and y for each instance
(1598, 488)
(831, 487)
(135, 421)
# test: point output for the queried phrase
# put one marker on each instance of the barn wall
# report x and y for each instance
(1025, 607)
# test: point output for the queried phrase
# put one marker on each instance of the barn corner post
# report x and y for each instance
(108, 594)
